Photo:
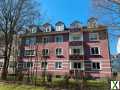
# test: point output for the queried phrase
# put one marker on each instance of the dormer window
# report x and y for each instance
(33, 29)
(47, 27)
(92, 23)
(60, 26)
(75, 24)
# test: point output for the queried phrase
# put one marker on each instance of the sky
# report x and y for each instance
(68, 11)
(65, 10)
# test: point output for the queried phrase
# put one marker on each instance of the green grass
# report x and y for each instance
(4, 86)
(58, 82)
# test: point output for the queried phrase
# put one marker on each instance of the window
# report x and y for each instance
(58, 65)
(45, 52)
(24, 65)
(12, 64)
(34, 30)
(1, 64)
(76, 50)
(59, 51)
(95, 51)
(48, 29)
(59, 39)
(44, 65)
(76, 37)
(39, 40)
(93, 36)
(96, 65)
(60, 28)
(45, 40)
(77, 65)
(30, 41)
(29, 52)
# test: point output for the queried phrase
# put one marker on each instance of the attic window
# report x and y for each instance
(60, 28)
(48, 29)
(92, 23)
(33, 30)
(75, 24)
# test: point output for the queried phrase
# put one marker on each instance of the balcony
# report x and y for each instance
(59, 55)
(76, 52)
(76, 56)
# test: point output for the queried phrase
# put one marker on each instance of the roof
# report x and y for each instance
(59, 23)
(75, 24)
(67, 30)
(46, 24)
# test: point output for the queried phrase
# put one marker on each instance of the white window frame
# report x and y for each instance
(72, 65)
(11, 64)
(59, 54)
(59, 27)
(98, 51)
(45, 49)
(91, 34)
(24, 65)
(95, 62)
(46, 65)
(59, 36)
(74, 34)
(1, 64)
(48, 29)
(43, 40)
(76, 47)
(32, 30)
(29, 55)
(59, 65)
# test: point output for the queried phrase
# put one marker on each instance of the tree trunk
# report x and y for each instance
(7, 54)
(5, 69)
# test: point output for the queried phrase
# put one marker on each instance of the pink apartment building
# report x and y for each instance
(62, 50)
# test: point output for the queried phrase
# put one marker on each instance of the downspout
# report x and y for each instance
(108, 44)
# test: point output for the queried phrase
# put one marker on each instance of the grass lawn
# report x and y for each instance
(59, 83)
(4, 86)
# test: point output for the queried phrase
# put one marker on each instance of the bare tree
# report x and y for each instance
(109, 10)
(14, 15)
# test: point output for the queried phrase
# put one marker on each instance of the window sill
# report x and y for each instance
(94, 40)
(96, 69)
(59, 55)
(95, 54)
(58, 68)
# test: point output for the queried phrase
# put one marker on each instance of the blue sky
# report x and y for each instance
(65, 10)
(68, 11)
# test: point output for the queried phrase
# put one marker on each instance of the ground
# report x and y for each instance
(6, 86)
(56, 85)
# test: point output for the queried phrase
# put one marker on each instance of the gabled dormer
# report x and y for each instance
(47, 27)
(92, 22)
(33, 29)
(75, 24)
(59, 26)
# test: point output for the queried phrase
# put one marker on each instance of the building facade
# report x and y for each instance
(76, 50)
